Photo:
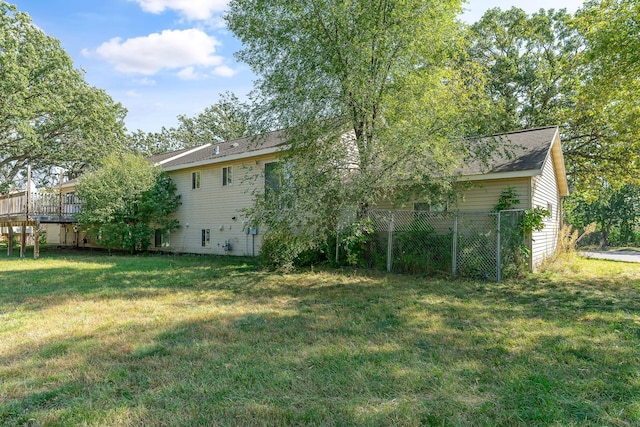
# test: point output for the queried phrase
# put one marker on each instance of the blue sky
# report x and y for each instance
(163, 58)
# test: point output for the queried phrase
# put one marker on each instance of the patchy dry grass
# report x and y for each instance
(100, 340)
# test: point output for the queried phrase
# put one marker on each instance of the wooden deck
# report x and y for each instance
(37, 208)
(23, 209)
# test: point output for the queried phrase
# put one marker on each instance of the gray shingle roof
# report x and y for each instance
(528, 150)
(156, 158)
(227, 148)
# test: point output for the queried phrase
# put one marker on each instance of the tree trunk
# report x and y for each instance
(605, 238)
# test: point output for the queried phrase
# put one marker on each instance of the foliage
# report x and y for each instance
(615, 210)
(421, 251)
(514, 234)
(529, 63)
(579, 72)
(357, 85)
(355, 241)
(283, 250)
(227, 119)
(609, 103)
(533, 219)
(508, 199)
(564, 256)
(49, 115)
(125, 201)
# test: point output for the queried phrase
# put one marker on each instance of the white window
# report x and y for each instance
(195, 180)
(227, 175)
(430, 207)
(206, 237)
(162, 239)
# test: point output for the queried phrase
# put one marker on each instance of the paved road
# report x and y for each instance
(625, 256)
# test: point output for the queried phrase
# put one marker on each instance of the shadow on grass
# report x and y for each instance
(334, 348)
(101, 276)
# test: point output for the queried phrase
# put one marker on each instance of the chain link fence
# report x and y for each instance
(473, 244)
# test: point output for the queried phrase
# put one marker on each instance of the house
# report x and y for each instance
(218, 181)
(536, 171)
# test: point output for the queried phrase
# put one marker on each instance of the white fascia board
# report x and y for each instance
(501, 175)
(186, 153)
(239, 156)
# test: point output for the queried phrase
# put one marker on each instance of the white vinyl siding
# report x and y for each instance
(546, 195)
(53, 233)
(484, 195)
(218, 208)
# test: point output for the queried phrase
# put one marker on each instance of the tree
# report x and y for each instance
(529, 62)
(227, 119)
(615, 210)
(373, 95)
(609, 100)
(551, 68)
(49, 115)
(125, 201)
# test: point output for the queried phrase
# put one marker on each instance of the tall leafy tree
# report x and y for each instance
(609, 103)
(227, 119)
(373, 94)
(577, 72)
(49, 115)
(530, 63)
(614, 210)
(125, 201)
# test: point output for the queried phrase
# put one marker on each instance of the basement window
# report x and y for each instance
(161, 239)
(206, 237)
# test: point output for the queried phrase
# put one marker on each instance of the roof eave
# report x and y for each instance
(230, 158)
(500, 175)
(183, 154)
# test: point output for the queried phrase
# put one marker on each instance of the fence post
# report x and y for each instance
(454, 246)
(390, 244)
(498, 250)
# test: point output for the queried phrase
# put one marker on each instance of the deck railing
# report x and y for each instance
(45, 207)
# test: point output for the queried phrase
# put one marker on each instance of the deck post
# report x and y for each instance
(36, 240)
(10, 242)
(23, 240)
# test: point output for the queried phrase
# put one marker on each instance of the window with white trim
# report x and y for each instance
(195, 180)
(161, 239)
(206, 237)
(227, 175)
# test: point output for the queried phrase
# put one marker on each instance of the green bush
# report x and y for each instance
(285, 251)
(421, 251)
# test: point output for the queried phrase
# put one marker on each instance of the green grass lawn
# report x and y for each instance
(186, 341)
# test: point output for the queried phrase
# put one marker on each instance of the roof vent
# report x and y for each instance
(216, 150)
(235, 144)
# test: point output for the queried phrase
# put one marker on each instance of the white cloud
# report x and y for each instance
(224, 71)
(145, 81)
(133, 94)
(200, 10)
(170, 49)
(189, 73)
